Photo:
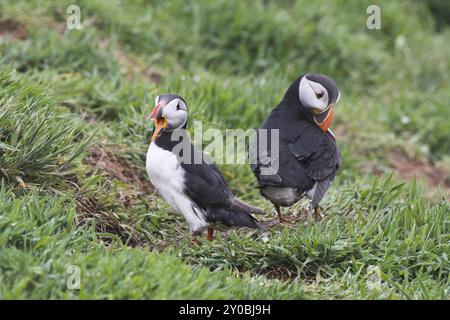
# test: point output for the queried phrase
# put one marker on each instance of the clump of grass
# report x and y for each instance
(72, 52)
(119, 212)
(232, 62)
(39, 142)
(380, 225)
(39, 242)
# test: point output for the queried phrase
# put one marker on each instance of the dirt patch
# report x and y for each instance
(288, 221)
(13, 28)
(133, 66)
(410, 168)
(107, 219)
(292, 217)
(281, 273)
(89, 209)
(58, 27)
(119, 169)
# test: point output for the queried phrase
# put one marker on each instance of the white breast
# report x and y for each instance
(167, 176)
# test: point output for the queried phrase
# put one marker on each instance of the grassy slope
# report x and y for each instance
(65, 93)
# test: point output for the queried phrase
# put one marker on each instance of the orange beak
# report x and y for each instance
(325, 124)
(160, 121)
(155, 111)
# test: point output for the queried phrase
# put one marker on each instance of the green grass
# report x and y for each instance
(39, 140)
(65, 94)
(40, 241)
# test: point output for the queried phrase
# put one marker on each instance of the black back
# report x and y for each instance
(306, 153)
(206, 186)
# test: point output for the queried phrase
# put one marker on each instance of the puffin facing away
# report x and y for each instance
(190, 183)
(308, 156)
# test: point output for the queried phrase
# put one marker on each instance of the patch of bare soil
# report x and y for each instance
(409, 168)
(13, 28)
(120, 169)
(288, 221)
(292, 217)
(105, 222)
(281, 273)
(133, 66)
(58, 27)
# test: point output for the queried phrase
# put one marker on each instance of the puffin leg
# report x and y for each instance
(317, 213)
(278, 210)
(210, 233)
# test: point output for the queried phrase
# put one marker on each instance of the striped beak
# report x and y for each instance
(324, 122)
(156, 112)
(160, 121)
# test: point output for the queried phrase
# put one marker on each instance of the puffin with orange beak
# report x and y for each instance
(308, 157)
(189, 181)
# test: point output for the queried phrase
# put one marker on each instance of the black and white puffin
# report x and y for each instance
(188, 180)
(308, 156)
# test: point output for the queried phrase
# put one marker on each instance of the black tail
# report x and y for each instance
(239, 205)
(231, 217)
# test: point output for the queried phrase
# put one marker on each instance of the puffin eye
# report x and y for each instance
(319, 95)
(178, 106)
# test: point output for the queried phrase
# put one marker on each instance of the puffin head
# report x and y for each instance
(170, 113)
(318, 95)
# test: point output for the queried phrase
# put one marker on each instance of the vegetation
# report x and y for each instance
(74, 130)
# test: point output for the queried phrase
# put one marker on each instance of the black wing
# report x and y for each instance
(320, 156)
(261, 158)
(206, 186)
(318, 153)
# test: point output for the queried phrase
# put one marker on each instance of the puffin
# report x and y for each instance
(186, 178)
(308, 157)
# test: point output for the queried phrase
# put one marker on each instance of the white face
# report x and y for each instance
(175, 113)
(313, 96)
